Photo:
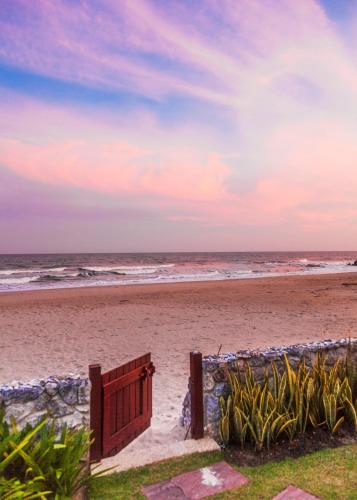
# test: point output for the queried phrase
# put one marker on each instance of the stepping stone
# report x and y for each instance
(197, 484)
(292, 493)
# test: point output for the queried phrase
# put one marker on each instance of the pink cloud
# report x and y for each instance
(177, 171)
(116, 167)
(67, 149)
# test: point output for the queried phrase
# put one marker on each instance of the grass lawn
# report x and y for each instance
(329, 474)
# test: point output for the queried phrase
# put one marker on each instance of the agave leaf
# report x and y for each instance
(252, 430)
(275, 424)
(337, 424)
(240, 429)
(276, 379)
(259, 426)
(289, 423)
(310, 389)
(267, 425)
(352, 413)
(282, 389)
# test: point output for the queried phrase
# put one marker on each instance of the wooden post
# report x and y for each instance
(196, 395)
(95, 378)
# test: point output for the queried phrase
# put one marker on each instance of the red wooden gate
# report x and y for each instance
(121, 405)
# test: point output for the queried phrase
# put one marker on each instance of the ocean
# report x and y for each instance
(36, 272)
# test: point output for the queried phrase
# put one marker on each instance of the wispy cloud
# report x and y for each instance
(278, 76)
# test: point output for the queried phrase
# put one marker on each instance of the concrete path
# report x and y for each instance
(132, 457)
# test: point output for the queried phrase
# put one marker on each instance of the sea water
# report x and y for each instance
(34, 272)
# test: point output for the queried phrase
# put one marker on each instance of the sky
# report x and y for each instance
(178, 125)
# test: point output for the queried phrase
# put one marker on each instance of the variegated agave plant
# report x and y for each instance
(287, 403)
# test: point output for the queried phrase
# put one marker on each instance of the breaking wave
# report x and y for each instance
(122, 270)
(15, 281)
(9, 272)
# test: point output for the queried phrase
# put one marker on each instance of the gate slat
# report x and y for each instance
(127, 433)
(137, 391)
(113, 406)
(119, 398)
(132, 399)
(127, 406)
(137, 399)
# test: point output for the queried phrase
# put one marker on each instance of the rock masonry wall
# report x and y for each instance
(214, 369)
(65, 399)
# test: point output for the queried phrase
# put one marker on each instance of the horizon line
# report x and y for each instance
(178, 251)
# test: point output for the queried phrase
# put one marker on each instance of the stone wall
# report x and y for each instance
(214, 368)
(65, 399)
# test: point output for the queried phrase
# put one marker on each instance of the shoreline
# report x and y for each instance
(175, 283)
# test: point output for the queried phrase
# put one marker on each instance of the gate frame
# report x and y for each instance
(96, 412)
(97, 403)
(196, 389)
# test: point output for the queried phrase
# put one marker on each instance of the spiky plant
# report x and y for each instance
(292, 402)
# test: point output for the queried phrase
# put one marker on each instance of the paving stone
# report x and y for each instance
(292, 493)
(165, 490)
(197, 484)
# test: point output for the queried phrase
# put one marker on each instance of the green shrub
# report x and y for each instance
(38, 462)
(15, 489)
(288, 403)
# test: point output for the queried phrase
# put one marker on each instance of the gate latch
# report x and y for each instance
(148, 371)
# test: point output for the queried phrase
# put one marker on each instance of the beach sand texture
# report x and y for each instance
(62, 331)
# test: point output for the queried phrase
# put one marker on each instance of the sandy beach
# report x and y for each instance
(61, 331)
